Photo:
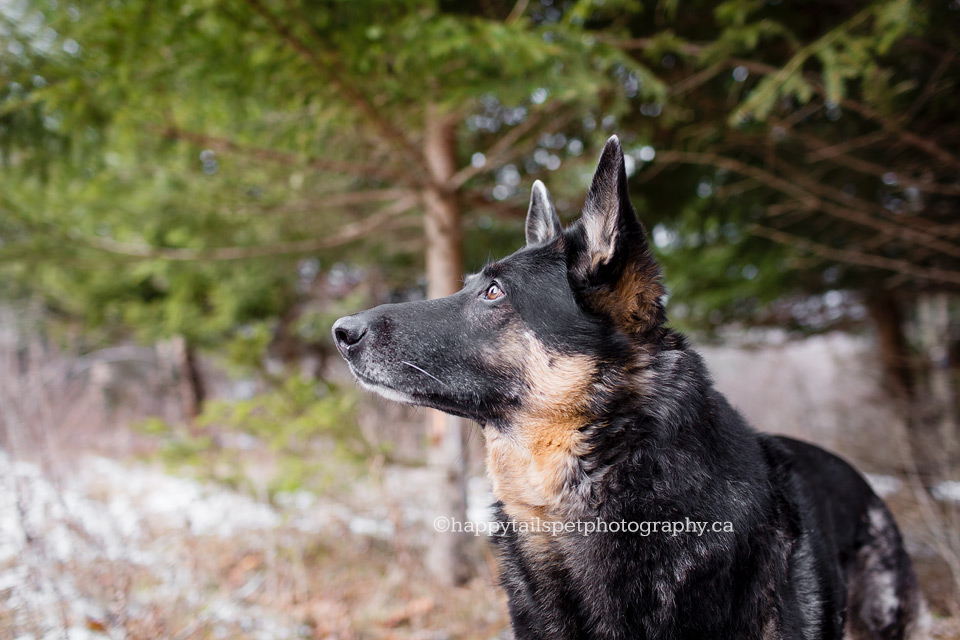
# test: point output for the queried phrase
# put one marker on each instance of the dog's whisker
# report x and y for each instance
(426, 373)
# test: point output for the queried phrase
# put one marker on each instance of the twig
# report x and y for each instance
(930, 87)
(840, 148)
(500, 150)
(517, 11)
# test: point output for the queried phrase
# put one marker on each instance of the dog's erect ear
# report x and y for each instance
(542, 220)
(619, 275)
(607, 213)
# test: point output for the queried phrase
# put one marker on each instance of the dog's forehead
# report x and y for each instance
(532, 263)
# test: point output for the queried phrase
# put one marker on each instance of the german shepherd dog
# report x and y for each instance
(593, 411)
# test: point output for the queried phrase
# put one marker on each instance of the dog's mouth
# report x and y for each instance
(416, 397)
(391, 393)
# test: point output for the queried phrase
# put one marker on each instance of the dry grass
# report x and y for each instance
(117, 549)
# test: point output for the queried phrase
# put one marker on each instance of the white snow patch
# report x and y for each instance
(948, 491)
(883, 485)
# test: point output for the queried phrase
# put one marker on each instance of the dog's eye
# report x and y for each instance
(493, 292)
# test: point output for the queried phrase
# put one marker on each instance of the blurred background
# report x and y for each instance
(191, 192)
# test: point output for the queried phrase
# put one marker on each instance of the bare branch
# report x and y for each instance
(814, 196)
(517, 12)
(833, 150)
(327, 200)
(507, 147)
(692, 82)
(894, 127)
(738, 166)
(850, 256)
(475, 199)
(870, 168)
(931, 87)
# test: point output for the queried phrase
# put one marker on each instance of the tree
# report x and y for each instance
(182, 157)
(168, 166)
(808, 150)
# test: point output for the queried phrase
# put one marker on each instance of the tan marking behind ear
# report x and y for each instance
(531, 463)
(634, 301)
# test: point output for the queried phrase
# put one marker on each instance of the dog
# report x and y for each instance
(596, 414)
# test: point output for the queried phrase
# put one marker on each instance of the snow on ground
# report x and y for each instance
(131, 501)
(948, 491)
(109, 514)
(945, 491)
(141, 520)
(883, 485)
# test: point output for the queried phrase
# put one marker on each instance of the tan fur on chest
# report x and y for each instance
(533, 460)
(529, 470)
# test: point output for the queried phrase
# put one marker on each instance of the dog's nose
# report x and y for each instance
(348, 331)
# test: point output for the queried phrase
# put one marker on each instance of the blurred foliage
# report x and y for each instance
(292, 419)
(172, 168)
(168, 168)
(289, 416)
(828, 127)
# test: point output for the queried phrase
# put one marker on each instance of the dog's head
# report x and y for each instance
(534, 335)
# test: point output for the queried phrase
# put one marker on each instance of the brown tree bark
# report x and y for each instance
(448, 558)
(190, 384)
(887, 315)
(941, 394)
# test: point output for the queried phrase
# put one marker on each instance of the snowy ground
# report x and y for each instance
(106, 519)
(124, 550)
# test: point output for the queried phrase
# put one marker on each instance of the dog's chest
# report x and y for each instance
(532, 470)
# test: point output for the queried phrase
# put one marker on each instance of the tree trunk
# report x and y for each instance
(887, 315)
(898, 379)
(448, 558)
(934, 325)
(190, 386)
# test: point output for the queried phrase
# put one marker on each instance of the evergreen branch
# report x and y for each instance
(768, 90)
(333, 73)
(378, 222)
(225, 145)
(890, 126)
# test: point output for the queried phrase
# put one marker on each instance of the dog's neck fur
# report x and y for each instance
(552, 465)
